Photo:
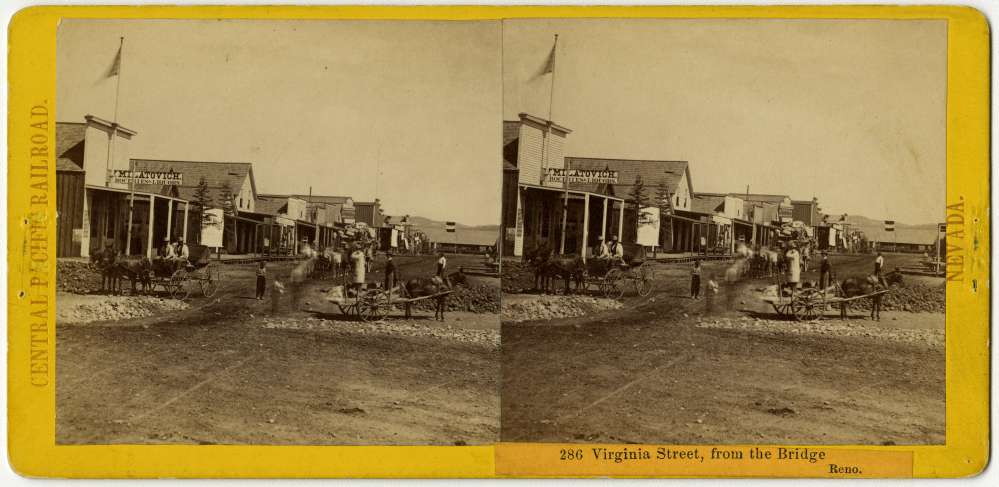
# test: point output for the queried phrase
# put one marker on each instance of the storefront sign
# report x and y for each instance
(602, 176)
(648, 227)
(169, 178)
(212, 228)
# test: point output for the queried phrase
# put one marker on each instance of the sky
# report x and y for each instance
(408, 112)
(852, 112)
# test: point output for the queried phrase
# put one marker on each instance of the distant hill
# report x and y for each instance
(463, 234)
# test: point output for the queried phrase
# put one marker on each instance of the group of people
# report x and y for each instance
(611, 252)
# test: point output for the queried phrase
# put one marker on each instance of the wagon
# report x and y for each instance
(376, 304)
(611, 280)
(180, 282)
(808, 303)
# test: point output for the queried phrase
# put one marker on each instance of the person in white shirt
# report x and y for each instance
(616, 250)
(441, 265)
(601, 251)
(181, 253)
(794, 266)
(879, 267)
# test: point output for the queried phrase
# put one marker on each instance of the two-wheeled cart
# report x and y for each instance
(809, 303)
(376, 304)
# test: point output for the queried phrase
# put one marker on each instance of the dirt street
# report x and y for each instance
(229, 371)
(668, 369)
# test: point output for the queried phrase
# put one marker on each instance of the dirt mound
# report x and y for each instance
(474, 298)
(911, 297)
(832, 328)
(542, 307)
(487, 338)
(77, 277)
(85, 309)
(517, 277)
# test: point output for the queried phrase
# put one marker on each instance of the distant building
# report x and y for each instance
(782, 203)
(807, 212)
(369, 213)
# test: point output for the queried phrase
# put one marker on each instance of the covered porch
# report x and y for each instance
(540, 212)
(135, 223)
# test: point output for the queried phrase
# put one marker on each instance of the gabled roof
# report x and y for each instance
(766, 198)
(70, 138)
(216, 174)
(707, 203)
(271, 205)
(653, 174)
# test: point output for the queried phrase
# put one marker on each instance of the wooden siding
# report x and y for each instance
(69, 207)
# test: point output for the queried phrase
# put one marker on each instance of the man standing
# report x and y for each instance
(391, 273)
(879, 266)
(825, 271)
(794, 266)
(441, 265)
(357, 262)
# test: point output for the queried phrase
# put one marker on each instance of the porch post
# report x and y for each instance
(620, 223)
(187, 205)
(603, 223)
(565, 222)
(169, 218)
(128, 230)
(586, 224)
(149, 229)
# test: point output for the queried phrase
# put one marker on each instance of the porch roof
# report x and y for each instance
(571, 191)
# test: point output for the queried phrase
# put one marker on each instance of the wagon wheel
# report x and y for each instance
(373, 308)
(613, 287)
(212, 281)
(178, 285)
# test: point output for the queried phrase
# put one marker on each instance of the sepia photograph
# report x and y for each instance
(724, 231)
(278, 232)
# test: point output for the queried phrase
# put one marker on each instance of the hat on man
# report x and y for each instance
(600, 238)
(613, 238)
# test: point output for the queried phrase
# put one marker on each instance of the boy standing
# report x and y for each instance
(261, 279)
(695, 280)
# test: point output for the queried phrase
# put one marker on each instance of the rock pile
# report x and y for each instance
(542, 307)
(911, 297)
(475, 298)
(837, 328)
(394, 327)
(113, 308)
(77, 277)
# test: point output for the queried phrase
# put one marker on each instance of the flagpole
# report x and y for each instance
(114, 118)
(565, 170)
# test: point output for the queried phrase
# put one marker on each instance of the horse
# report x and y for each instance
(104, 262)
(330, 261)
(428, 286)
(854, 286)
(548, 267)
(136, 269)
